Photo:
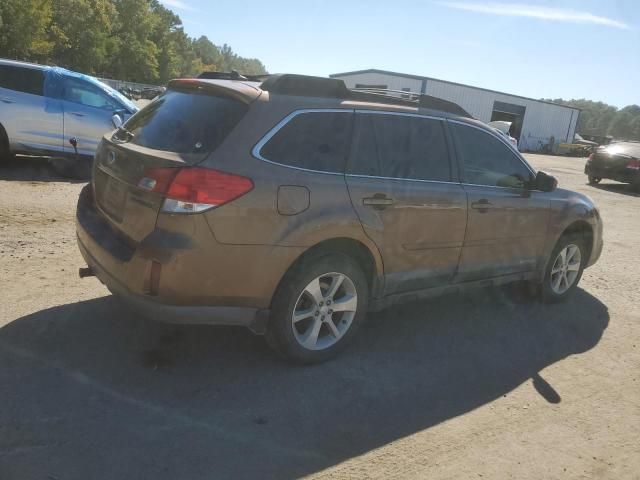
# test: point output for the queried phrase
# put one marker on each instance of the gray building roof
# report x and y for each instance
(420, 77)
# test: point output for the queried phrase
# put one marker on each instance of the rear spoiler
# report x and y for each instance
(232, 75)
(239, 91)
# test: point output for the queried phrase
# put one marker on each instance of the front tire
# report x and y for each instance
(318, 308)
(564, 269)
(594, 180)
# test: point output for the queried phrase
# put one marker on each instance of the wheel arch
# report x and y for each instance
(582, 229)
(369, 261)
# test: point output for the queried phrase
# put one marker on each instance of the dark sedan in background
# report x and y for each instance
(618, 161)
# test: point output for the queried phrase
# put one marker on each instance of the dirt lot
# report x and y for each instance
(463, 386)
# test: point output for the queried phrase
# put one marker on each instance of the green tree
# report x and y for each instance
(138, 40)
(598, 118)
(136, 54)
(81, 32)
(24, 29)
(166, 35)
(207, 52)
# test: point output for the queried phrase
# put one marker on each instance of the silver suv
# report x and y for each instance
(55, 112)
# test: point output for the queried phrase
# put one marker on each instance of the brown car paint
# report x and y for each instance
(224, 265)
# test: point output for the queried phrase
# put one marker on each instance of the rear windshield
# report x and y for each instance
(183, 122)
(623, 148)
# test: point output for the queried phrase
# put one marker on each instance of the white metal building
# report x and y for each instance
(535, 122)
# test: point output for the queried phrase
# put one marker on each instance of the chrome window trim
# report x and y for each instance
(271, 133)
(496, 186)
(504, 142)
(357, 175)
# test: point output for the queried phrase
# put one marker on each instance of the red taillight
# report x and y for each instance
(194, 189)
(634, 164)
(158, 179)
(201, 185)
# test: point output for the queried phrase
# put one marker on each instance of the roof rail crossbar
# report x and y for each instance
(420, 99)
(402, 93)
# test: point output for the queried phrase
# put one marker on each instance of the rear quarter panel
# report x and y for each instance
(255, 219)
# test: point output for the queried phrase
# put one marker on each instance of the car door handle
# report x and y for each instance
(379, 201)
(7, 100)
(78, 114)
(481, 205)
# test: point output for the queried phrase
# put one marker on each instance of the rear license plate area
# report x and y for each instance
(114, 198)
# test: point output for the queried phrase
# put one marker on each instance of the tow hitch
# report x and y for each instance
(86, 272)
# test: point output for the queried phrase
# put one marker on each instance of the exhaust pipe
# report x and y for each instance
(86, 272)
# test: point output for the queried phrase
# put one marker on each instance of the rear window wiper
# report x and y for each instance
(129, 134)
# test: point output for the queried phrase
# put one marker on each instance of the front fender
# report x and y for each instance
(571, 210)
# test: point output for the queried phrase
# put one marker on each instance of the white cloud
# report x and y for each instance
(535, 11)
(178, 4)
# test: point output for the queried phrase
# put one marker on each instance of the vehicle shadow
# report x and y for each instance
(92, 391)
(622, 188)
(33, 169)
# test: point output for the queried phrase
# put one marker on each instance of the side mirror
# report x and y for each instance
(116, 120)
(545, 182)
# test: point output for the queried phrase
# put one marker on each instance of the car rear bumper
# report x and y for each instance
(253, 318)
(624, 175)
(126, 272)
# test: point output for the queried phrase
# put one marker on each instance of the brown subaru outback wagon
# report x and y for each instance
(294, 205)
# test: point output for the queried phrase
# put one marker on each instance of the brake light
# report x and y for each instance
(634, 164)
(194, 189)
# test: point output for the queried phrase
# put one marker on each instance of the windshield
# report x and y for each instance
(128, 104)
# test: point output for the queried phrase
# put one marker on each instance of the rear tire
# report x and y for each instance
(594, 180)
(564, 269)
(5, 152)
(303, 326)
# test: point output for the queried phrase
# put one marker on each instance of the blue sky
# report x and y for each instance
(569, 49)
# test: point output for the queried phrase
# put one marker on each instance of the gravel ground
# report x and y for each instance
(463, 386)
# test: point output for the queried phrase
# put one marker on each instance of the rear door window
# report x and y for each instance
(400, 146)
(488, 161)
(313, 141)
(21, 79)
(185, 122)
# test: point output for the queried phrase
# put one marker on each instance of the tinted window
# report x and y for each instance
(488, 161)
(312, 140)
(20, 79)
(184, 122)
(400, 146)
(86, 94)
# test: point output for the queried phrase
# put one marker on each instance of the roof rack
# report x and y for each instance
(305, 85)
(232, 75)
(413, 98)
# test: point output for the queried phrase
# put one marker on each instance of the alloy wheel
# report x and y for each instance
(324, 311)
(566, 268)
